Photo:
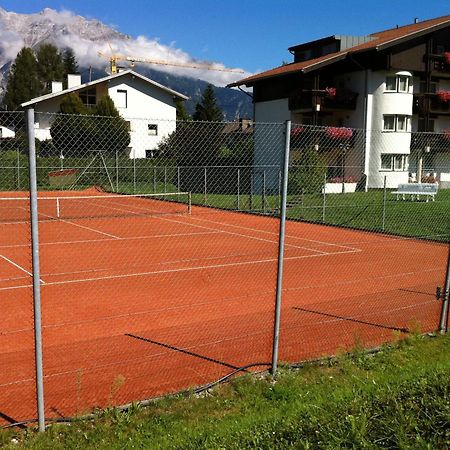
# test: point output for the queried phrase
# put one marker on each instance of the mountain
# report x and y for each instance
(89, 36)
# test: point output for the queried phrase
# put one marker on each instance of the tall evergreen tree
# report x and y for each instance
(182, 113)
(23, 82)
(207, 109)
(69, 61)
(72, 104)
(50, 65)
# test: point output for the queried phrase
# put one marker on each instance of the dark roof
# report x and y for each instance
(381, 40)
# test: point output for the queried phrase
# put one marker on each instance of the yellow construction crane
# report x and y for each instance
(114, 58)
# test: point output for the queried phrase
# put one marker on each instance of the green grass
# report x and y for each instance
(395, 398)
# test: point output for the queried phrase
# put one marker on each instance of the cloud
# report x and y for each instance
(87, 37)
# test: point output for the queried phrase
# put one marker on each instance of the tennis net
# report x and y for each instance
(60, 207)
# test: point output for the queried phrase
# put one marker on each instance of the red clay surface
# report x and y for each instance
(140, 306)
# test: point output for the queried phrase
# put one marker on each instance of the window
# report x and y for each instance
(121, 98)
(402, 84)
(88, 97)
(397, 83)
(154, 153)
(396, 122)
(392, 162)
(391, 83)
(389, 123)
(152, 129)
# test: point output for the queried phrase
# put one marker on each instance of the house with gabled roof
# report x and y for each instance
(388, 84)
(148, 107)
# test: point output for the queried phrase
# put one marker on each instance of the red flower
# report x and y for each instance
(339, 132)
(446, 134)
(447, 57)
(297, 131)
(444, 96)
(330, 92)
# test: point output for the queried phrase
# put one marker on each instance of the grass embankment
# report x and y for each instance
(396, 398)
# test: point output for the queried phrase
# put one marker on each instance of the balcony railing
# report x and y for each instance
(343, 99)
(430, 103)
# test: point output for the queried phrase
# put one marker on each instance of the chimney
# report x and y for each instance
(73, 80)
(416, 20)
(57, 86)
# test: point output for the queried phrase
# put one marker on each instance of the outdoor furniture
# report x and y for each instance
(415, 190)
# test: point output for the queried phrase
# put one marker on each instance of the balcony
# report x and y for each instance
(329, 99)
(440, 63)
(430, 103)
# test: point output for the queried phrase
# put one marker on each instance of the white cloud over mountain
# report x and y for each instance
(89, 36)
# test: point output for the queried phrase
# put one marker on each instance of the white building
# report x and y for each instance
(386, 85)
(135, 96)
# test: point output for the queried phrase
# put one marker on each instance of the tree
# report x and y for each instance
(207, 110)
(69, 61)
(106, 107)
(182, 113)
(50, 65)
(80, 130)
(71, 104)
(23, 82)
(307, 172)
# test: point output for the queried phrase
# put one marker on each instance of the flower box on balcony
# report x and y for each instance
(444, 96)
(339, 132)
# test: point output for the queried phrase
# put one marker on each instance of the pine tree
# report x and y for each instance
(50, 65)
(182, 113)
(69, 61)
(23, 82)
(207, 109)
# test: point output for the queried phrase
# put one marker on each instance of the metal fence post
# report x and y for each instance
(384, 205)
(205, 192)
(154, 179)
(178, 179)
(165, 179)
(282, 230)
(117, 170)
(134, 171)
(263, 196)
(443, 322)
(238, 189)
(36, 270)
(324, 205)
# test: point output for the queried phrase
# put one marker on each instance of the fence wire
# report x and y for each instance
(159, 249)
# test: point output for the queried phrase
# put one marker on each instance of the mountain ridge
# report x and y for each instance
(87, 36)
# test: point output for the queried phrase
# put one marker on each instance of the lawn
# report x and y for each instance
(397, 397)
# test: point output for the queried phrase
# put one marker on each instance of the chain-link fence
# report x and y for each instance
(166, 263)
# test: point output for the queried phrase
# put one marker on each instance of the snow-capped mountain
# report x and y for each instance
(88, 37)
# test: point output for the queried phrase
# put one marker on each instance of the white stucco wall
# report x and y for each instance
(146, 104)
(387, 142)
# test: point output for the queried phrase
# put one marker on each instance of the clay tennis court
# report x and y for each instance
(138, 302)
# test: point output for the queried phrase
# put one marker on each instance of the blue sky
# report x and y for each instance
(251, 34)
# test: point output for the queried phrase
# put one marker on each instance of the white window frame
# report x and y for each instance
(122, 94)
(398, 77)
(394, 162)
(152, 129)
(396, 128)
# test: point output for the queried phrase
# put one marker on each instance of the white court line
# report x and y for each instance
(203, 227)
(272, 233)
(19, 267)
(184, 269)
(130, 238)
(244, 235)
